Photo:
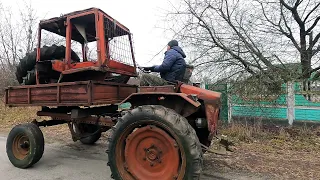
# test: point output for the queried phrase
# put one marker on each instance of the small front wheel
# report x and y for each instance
(25, 145)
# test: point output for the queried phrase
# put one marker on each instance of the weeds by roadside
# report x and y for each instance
(277, 151)
(273, 137)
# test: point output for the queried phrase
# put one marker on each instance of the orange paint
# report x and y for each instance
(103, 63)
(201, 93)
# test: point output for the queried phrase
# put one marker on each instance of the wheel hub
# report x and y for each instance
(21, 146)
(151, 153)
(25, 145)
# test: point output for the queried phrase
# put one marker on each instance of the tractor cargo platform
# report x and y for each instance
(82, 93)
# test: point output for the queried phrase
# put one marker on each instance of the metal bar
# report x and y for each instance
(98, 35)
(112, 101)
(29, 96)
(57, 116)
(103, 121)
(6, 96)
(102, 52)
(68, 42)
(39, 44)
(81, 14)
(38, 54)
(118, 24)
(132, 53)
(118, 91)
(89, 88)
(70, 84)
(58, 94)
(72, 15)
(84, 53)
(46, 123)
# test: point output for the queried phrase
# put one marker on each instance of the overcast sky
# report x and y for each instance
(140, 16)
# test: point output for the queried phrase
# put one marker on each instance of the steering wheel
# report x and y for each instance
(143, 71)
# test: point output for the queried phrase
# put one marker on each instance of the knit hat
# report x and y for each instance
(173, 43)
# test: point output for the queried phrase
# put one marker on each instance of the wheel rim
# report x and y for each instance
(21, 146)
(149, 152)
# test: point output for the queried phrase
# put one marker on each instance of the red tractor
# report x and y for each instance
(157, 131)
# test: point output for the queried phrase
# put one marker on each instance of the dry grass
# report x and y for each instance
(283, 152)
(300, 138)
(9, 117)
(13, 116)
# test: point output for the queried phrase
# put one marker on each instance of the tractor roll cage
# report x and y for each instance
(88, 26)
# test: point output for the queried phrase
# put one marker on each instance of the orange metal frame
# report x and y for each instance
(103, 63)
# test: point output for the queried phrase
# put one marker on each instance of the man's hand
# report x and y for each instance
(149, 68)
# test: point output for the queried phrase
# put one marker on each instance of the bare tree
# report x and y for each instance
(18, 33)
(17, 37)
(258, 38)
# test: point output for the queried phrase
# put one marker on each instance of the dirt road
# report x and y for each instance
(74, 161)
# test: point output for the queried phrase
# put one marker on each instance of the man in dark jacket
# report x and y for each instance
(172, 68)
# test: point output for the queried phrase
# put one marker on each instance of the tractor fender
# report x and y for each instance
(212, 104)
(180, 102)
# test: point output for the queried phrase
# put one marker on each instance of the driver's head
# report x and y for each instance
(172, 43)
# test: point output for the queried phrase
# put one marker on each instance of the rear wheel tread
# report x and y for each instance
(179, 123)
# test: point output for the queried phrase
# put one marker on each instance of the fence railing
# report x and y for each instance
(294, 103)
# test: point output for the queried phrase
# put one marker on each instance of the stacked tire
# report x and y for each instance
(25, 72)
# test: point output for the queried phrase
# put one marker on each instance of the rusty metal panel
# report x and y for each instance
(83, 93)
(212, 114)
(111, 93)
(17, 92)
(184, 96)
(168, 89)
(17, 100)
(124, 92)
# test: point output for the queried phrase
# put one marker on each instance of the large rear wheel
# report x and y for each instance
(153, 142)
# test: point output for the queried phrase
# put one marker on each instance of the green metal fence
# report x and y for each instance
(277, 108)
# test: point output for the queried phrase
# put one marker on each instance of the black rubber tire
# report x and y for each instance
(177, 124)
(91, 132)
(46, 53)
(36, 141)
(121, 79)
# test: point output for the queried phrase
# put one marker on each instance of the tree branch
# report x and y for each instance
(312, 10)
(316, 39)
(294, 11)
(313, 25)
(203, 24)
